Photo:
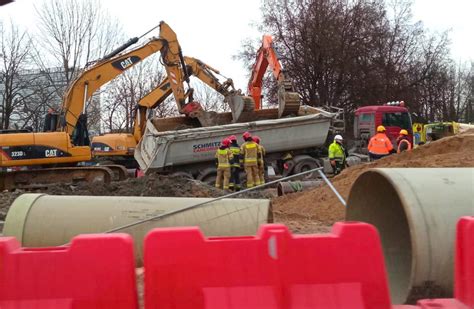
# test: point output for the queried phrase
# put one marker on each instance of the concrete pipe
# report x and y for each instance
(296, 186)
(40, 220)
(415, 211)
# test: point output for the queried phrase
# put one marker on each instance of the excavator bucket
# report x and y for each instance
(242, 107)
(288, 100)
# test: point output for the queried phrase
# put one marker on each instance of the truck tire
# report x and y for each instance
(306, 163)
(208, 176)
(182, 174)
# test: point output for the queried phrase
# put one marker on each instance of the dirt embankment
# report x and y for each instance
(316, 210)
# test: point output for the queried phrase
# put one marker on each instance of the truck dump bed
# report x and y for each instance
(158, 150)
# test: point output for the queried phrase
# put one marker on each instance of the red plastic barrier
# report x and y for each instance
(95, 271)
(464, 290)
(275, 269)
(464, 271)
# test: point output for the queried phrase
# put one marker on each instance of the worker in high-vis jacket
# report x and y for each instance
(337, 155)
(235, 168)
(250, 153)
(223, 158)
(380, 145)
(403, 144)
(261, 159)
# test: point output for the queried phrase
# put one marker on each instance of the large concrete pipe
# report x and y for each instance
(40, 220)
(415, 211)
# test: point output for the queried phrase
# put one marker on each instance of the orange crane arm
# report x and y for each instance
(266, 56)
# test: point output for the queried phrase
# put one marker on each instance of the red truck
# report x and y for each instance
(394, 116)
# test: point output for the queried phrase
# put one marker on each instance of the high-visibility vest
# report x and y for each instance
(336, 152)
(406, 142)
(224, 156)
(236, 153)
(380, 144)
(250, 151)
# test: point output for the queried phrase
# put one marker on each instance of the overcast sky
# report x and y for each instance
(212, 30)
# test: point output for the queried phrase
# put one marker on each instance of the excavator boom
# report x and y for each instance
(118, 147)
(288, 99)
(81, 90)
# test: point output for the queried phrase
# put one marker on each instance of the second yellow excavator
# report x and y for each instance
(118, 148)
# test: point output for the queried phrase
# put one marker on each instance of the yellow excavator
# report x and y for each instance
(118, 148)
(53, 156)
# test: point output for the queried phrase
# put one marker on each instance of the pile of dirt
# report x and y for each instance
(151, 185)
(316, 210)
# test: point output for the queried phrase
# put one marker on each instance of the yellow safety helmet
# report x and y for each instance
(403, 132)
(380, 129)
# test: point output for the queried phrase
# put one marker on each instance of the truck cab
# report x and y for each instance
(394, 116)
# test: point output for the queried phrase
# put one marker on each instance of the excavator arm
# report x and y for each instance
(206, 74)
(241, 106)
(150, 101)
(194, 67)
(288, 99)
(116, 146)
(104, 71)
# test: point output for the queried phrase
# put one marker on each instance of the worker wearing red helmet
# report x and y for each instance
(380, 145)
(261, 159)
(402, 141)
(234, 183)
(223, 158)
(250, 153)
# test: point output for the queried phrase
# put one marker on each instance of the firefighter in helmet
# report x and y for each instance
(223, 158)
(250, 152)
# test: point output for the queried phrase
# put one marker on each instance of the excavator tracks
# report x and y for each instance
(41, 178)
(119, 171)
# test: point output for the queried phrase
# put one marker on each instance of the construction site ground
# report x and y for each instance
(316, 210)
(312, 211)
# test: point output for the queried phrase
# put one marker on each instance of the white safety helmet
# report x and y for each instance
(338, 138)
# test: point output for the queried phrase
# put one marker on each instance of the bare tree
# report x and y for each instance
(123, 94)
(72, 35)
(209, 98)
(351, 53)
(14, 58)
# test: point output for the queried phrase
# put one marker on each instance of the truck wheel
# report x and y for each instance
(208, 176)
(182, 174)
(306, 164)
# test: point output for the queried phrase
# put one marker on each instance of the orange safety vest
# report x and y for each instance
(250, 152)
(224, 156)
(380, 144)
(404, 141)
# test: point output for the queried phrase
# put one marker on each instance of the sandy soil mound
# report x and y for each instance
(318, 209)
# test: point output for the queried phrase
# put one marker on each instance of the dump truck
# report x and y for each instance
(293, 144)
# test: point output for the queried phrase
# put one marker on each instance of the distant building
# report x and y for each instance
(41, 90)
